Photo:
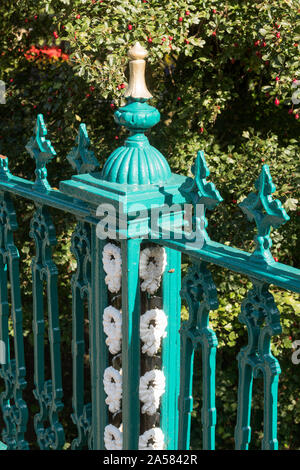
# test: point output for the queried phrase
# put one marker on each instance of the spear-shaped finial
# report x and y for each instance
(137, 87)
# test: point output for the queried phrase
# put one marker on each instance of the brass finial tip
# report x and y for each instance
(137, 52)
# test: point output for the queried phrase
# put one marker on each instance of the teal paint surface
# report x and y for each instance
(199, 291)
(135, 173)
(131, 311)
(171, 349)
(13, 372)
(81, 289)
(136, 162)
(49, 393)
(99, 351)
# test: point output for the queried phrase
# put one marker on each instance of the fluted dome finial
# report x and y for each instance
(136, 162)
(137, 87)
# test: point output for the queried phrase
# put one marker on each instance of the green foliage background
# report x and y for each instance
(213, 77)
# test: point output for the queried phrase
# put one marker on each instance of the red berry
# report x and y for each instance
(130, 27)
(149, 39)
(178, 99)
(35, 17)
(55, 34)
(163, 39)
(256, 44)
(267, 62)
(112, 105)
(186, 41)
(34, 106)
(278, 35)
(276, 259)
(180, 19)
(26, 20)
(201, 130)
(214, 11)
(171, 38)
(234, 201)
(290, 111)
(77, 17)
(235, 44)
(187, 13)
(297, 116)
(296, 44)
(92, 88)
(262, 159)
(116, 137)
(277, 79)
(122, 85)
(276, 102)
(264, 44)
(11, 80)
(214, 33)
(88, 95)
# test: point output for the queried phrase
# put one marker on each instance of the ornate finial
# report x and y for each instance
(137, 162)
(137, 87)
(81, 158)
(201, 194)
(198, 190)
(266, 212)
(4, 170)
(42, 151)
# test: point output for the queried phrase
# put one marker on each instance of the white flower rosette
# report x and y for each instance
(113, 438)
(112, 325)
(152, 265)
(151, 334)
(112, 381)
(153, 439)
(152, 387)
(112, 265)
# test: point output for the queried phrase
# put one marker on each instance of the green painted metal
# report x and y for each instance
(171, 349)
(199, 290)
(41, 150)
(3, 446)
(81, 289)
(266, 212)
(99, 351)
(262, 318)
(131, 311)
(49, 392)
(13, 372)
(81, 158)
(136, 162)
(135, 173)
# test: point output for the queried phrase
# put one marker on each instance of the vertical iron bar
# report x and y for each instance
(130, 342)
(98, 348)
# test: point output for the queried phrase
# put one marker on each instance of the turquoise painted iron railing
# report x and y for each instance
(122, 300)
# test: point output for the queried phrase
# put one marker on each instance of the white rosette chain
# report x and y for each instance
(153, 324)
(112, 265)
(153, 261)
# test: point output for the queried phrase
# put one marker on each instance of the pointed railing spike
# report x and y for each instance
(81, 158)
(42, 152)
(201, 194)
(4, 170)
(265, 211)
